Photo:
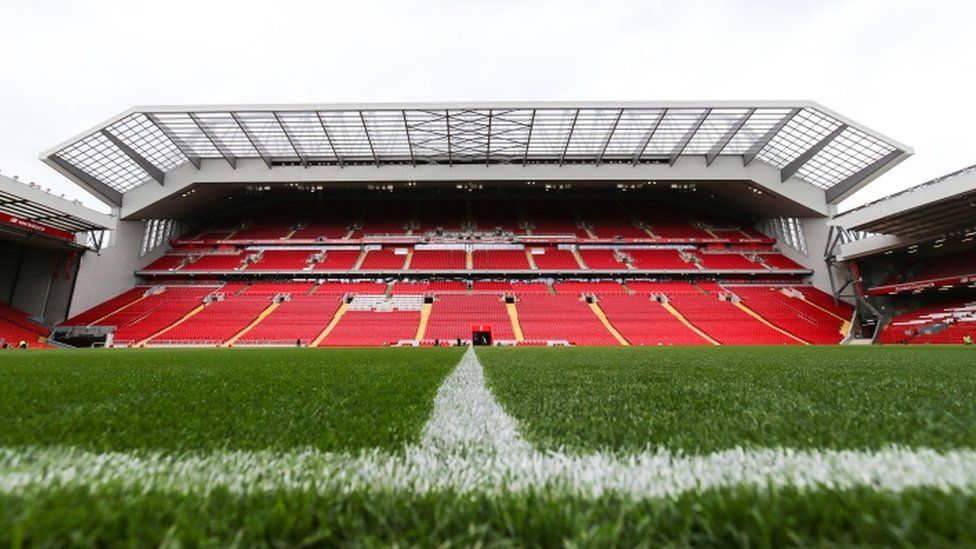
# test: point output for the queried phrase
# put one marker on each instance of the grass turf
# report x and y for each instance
(696, 399)
(197, 399)
(707, 399)
(720, 518)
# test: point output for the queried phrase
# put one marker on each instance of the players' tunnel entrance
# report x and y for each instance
(481, 334)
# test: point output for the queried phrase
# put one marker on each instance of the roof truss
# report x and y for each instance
(802, 140)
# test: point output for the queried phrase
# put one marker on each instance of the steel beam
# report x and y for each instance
(298, 152)
(646, 139)
(447, 123)
(727, 137)
(372, 150)
(258, 148)
(839, 191)
(606, 141)
(794, 166)
(328, 137)
(488, 143)
(528, 139)
(687, 137)
(406, 129)
(94, 185)
(141, 161)
(767, 137)
(177, 141)
(214, 140)
(569, 138)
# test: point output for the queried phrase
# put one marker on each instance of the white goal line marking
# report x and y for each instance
(471, 445)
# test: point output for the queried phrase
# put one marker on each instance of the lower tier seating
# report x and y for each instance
(15, 327)
(948, 321)
(453, 315)
(380, 313)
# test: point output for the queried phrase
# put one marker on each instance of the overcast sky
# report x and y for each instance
(906, 69)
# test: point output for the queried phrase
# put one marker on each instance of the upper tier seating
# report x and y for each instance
(272, 224)
(338, 260)
(659, 260)
(552, 218)
(560, 318)
(453, 315)
(597, 259)
(554, 259)
(729, 261)
(215, 262)
(328, 221)
(642, 321)
(438, 260)
(500, 260)
(386, 259)
(780, 261)
(282, 260)
(167, 262)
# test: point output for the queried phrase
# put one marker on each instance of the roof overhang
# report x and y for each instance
(802, 140)
(935, 208)
(33, 205)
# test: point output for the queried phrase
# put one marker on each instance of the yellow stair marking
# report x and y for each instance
(650, 233)
(122, 308)
(759, 317)
(408, 260)
(349, 234)
(185, 317)
(332, 324)
(425, 311)
(528, 256)
(270, 309)
(831, 313)
(516, 325)
(359, 260)
(845, 325)
(590, 233)
(595, 307)
(579, 259)
(469, 260)
(677, 314)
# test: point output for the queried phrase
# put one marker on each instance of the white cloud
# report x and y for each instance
(903, 68)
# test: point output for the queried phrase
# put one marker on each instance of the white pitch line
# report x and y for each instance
(470, 445)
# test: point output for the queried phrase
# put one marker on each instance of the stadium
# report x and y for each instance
(547, 323)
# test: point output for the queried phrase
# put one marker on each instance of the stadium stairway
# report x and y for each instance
(193, 312)
(595, 307)
(425, 311)
(340, 312)
(513, 318)
(763, 320)
(681, 318)
(257, 320)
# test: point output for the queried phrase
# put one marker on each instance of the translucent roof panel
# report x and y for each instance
(819, 147)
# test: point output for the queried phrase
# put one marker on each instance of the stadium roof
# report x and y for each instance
(28, 202)
(935, 208)
(799, 138)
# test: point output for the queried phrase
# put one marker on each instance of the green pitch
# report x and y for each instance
(347, 447)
